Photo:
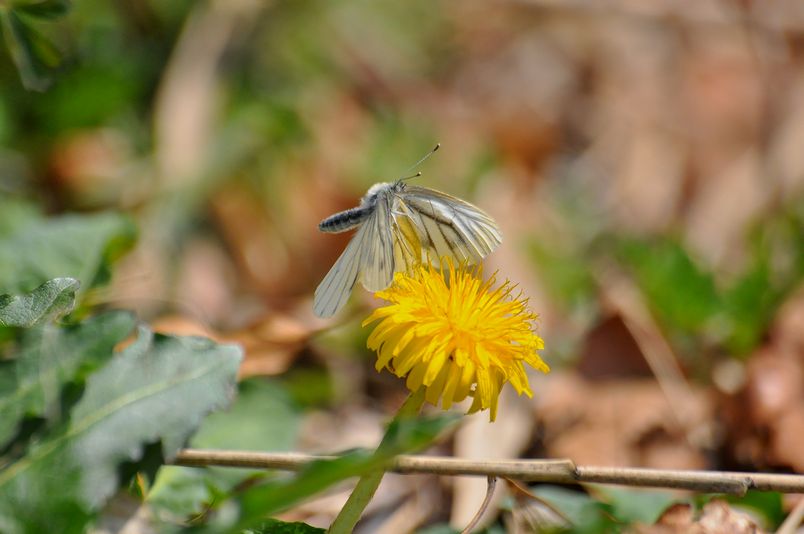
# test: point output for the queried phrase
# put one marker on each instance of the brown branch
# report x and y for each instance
(555, 471)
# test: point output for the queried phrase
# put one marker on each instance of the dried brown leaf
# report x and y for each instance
(626, 422)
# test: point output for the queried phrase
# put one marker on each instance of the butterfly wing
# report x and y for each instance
(377, 251)
(446, 226)
(406, 227)
(369, 257)
(334, 290)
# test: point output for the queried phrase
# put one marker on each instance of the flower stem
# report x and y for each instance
(368, 483)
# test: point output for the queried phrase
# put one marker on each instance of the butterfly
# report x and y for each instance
(399, 226)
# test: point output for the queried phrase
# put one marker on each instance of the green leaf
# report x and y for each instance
(775, 271)
(767, 503)
(49, 357)
(16, 213)
(585, 514)
(682, 295)
(44, 9)
(263, 417)
(275, 526)
(75, 246)
(50, 300)
(566, 274)
(632, 505)
(749, 305)
(33, 54)
(158, 389)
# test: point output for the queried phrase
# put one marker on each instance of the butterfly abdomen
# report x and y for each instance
(345, 220)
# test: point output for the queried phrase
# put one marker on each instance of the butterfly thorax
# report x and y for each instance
(380, 190)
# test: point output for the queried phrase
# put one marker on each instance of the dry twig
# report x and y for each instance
(555, 471)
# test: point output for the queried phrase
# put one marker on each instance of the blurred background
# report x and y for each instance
(645, 161)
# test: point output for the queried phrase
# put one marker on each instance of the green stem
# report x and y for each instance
(368, 483)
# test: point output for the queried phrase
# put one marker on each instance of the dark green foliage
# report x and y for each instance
(275, 526)
(33, 53)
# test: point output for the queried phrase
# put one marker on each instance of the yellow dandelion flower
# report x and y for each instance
(453, 334)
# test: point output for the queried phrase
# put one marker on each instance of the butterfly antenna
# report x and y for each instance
(438, 145)
(411, 176)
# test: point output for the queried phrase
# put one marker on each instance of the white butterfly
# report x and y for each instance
(399, 226)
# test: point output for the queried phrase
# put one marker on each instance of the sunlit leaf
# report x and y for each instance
(53, 298)
(156, 390)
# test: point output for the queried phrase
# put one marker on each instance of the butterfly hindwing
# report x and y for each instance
(334, 290)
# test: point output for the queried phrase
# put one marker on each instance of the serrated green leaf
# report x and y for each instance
(275, 526)
(44, 9)
(158, 389)
(33, 54)
(75, 246)
(50, 300)
(50, 356)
